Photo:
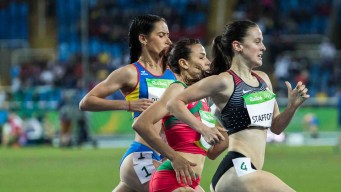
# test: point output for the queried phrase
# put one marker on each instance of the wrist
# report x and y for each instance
(291, 108)
(128, 104)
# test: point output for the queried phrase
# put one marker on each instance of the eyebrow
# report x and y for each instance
(163, 33)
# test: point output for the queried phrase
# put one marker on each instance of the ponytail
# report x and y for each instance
(221, 61)
(222, 50)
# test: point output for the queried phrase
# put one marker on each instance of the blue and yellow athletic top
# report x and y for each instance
(149, 86)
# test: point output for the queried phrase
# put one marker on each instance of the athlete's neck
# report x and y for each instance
(149, 61)
(242, 71)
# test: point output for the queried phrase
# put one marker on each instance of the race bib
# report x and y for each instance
(142, 157)
(144, 172)
(156, 87)
(209, 120)
(143, 165)
(260, 106)
(243, 166)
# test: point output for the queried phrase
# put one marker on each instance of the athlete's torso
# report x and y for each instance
(179, 135)
(141, 89)
(234, 115)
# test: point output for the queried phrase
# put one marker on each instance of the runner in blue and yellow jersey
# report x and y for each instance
(142, 83)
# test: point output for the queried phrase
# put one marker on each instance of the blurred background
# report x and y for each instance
(54, 51)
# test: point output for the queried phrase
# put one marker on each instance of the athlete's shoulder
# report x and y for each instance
(220, 81)
(262, 74)
(226, 78)
(128, 70)
(123, 74)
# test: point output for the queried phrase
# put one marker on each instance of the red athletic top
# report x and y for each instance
(179, 135)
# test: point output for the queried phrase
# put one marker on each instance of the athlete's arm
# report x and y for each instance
(217, 149)
(202, 89)
(124, 78)
(144, 126)
(296, 97)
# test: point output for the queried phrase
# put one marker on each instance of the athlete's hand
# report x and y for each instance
(212, 135)
(297, 95)
(183, 170)
(139, 105)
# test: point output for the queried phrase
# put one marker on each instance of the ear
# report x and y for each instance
(236, 45)
(183, 64)
(143, 39)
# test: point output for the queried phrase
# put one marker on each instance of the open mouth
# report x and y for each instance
(260, 56)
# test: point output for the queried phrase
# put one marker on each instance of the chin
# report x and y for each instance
(259, 63)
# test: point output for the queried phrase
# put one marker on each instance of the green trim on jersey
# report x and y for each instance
(167, 165)
(180, 82)
(194, 110)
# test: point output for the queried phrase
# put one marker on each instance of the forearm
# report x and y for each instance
(217, 149)
(179, 109)
(280, 122)
(156, 142)
(92, 103)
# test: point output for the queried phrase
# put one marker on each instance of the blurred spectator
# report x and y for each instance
(3, 120)
(49, 129)
(12, 131)
(327, 54)
(33, 131)
(83, 131)
(311, 124)
(66, 113)
(281, 73)
(46, 75)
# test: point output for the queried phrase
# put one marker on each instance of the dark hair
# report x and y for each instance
(143, 24)
(179, 50)
(222, 50)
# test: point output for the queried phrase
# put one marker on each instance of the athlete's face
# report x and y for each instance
(158, 39)
(253, 47)
(198, 62)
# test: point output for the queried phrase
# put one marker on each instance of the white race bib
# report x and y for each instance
(209, 120)
(156, 87)
(144, 172)
(142, 157)
(243, 166)
(260, 106)
(143, 165)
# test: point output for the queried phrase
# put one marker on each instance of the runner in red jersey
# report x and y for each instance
(186, 151)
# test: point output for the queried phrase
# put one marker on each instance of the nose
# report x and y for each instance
(264, 48)
(208, 62)
(168, 42)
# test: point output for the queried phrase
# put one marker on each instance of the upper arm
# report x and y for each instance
(207, 87)
(124, 78)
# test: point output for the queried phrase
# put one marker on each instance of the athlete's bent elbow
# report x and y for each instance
(276, 131)
(137, 126)
(82, 105)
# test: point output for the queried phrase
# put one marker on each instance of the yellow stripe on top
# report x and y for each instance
(134, 95)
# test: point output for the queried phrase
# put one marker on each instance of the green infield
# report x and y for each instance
(69, 170)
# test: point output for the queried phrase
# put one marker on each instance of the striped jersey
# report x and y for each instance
(234, 115)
